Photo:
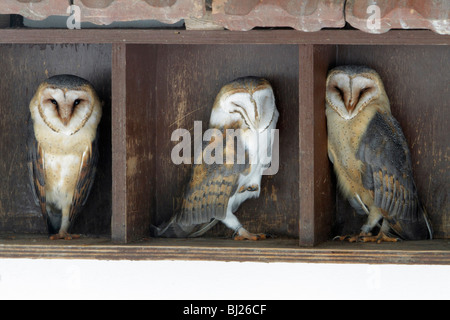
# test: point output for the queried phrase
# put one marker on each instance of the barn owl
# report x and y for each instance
(246, 108)
(371, 157)
(62, 149)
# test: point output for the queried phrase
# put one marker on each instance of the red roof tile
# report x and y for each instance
(108, 11)
(375, 16)
(409, 14)
(305, 15)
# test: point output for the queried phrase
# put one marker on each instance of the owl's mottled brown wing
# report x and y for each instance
(36, 169)
(209, 190)
(387, 172)
(86, 179)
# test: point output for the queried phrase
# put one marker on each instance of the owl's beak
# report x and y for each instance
(65, 114)
(65, 121)
(351, 105)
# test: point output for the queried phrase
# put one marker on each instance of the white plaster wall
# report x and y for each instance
(90, 279)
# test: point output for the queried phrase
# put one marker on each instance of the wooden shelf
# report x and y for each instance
(133, 36)
(435, 252)
(154, 81)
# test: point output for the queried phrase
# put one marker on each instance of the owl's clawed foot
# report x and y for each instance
(243, 234)
(367, 237)
(251, 188)
(349, 238)
(251, 237)
(381, 237)
(65, 236)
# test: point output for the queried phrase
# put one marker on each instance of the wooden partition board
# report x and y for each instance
(154, 82)
(316, 182)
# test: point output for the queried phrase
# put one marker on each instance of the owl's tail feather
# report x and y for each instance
(422, 229)
(203, 228)
(172, 229)
(428, 223)
(169, 230)
(54, 218)
(419, 229)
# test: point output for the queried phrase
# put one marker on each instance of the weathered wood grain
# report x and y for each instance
(435, 252)
(331, 37)
(317, 205)
(142, 176)
(119, 145)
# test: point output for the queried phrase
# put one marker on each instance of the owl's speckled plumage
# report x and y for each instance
(62, 149)
(371, 157)
(216, 190)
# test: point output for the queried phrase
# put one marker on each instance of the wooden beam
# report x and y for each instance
(173, 36)
(119, 145)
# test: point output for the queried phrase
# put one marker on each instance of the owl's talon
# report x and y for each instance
(251, 188)
(245, 235)
(252, 237)
(340, 238)
(349, 238)
(353, 238)
(381, 237)
(65, 236)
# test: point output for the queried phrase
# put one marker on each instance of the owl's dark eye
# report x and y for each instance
(339, 90)
(54, 102)
(363, 91)
(77, 102)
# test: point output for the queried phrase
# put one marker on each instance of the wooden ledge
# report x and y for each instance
(436, 252)
(173, 36)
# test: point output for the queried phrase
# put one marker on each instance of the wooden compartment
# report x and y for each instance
(417, 80)
(162, 80)
(169, 87)
(24, 67)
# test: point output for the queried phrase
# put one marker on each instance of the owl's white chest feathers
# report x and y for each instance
(61, 175)
(259, 146)
(62, 159)
(62, 168)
